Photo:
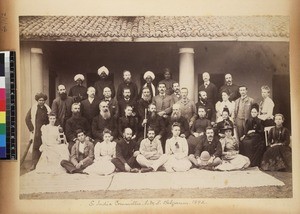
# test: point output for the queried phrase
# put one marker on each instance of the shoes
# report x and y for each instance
(161, 168)
(148, 169)
(134, 170)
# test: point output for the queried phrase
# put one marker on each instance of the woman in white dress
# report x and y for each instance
(225, 103)
(54, 148)
(266, 107)
(231, 159)
(177, 152)
(104, 152)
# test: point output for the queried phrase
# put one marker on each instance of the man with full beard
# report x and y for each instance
(232, 89)
(127, 101)
(102, 121)
(78, 91)
(209, 108)
(144, 102)
(111, 102)
(74, 123)
(176, 117)
(127, 83)
(61, 106)
(104, 81)
(156, 123)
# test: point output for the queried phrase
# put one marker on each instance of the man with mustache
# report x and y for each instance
(209, 108)
(162, 101)
(112, 102)
(126, 153)
(74, 123)
(209, 88)
(232, 89)
(36, 117)
(176, 95)
(156, 123)
(61, 106)
(90, 106)
(208, 152)
(144, 102)
(128, 120)
(168, 81)
(151, 155)
(149, 77)
(126, 101)
(176, 117)
(127, 83)
(102, 121)
(78, 91)
(104, 81)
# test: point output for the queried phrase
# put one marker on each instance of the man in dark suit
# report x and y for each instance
(74, 123)
(82, 154)
(209, 108)
(127, 83)
(111, 102)
(209, 88)
(232, 89)
(61, 106)
(126, 153)
(90, 106)
(127, 101)
(103, 82)
(102, 121)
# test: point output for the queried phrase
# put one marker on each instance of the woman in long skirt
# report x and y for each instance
(54, 148)
(104, 152)
(278, 155)
(252, 142)
(231, 159)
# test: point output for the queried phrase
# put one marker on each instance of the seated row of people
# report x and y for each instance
(127, 155)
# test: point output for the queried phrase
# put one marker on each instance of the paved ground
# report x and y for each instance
(254, 192)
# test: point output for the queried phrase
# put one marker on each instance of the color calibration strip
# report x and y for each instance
(8, 141)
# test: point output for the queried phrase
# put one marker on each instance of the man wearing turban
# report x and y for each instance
(78, 91)
(103, 82)
(36, 117)
(149, 77)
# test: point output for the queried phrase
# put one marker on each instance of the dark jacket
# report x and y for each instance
(133, 89)
(90, 110)
(124, 151)
(73, 124)
(213, 148)
(99, 124)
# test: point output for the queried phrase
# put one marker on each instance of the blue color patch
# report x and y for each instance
(2, 140)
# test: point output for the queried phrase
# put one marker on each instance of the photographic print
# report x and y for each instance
(137, 107)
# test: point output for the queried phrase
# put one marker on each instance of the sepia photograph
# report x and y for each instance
(139, 107)
(153, 107)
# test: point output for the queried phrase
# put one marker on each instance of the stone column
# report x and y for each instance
(36, 71)
(186, 70)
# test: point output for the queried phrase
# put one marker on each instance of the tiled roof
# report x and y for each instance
(155, 28)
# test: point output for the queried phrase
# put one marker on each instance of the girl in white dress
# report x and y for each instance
(104, 152)
(177, 152)
(224, 104)
(54, 148)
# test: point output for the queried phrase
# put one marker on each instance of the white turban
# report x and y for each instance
(101, 69)
(149, 73)
(78, 76)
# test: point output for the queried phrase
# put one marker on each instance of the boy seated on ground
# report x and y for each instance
(151, 155)
(208, 152)
(82, 154)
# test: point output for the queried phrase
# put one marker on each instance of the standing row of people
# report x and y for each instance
(157, 111)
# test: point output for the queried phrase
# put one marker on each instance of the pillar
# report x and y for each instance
(186, 70)
(36, 71)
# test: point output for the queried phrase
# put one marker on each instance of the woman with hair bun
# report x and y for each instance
(252, 142)
(278, 155)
